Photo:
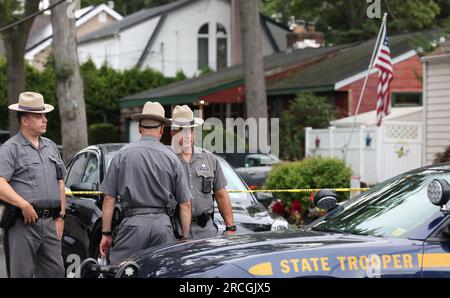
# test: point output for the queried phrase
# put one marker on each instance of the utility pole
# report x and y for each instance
(69, 90)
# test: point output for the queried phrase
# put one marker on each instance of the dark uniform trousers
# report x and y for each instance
(40, 238)
(140, 232)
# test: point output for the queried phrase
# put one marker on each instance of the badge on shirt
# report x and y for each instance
(203, 167)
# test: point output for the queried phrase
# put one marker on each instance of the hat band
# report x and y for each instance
(183, 123)
(31, 108)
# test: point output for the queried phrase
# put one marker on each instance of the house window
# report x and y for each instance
(203, 40)
(221, 35)
(407, 99)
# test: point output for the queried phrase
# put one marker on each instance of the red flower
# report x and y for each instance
(296, 206)
(278, 208)
(311, 197)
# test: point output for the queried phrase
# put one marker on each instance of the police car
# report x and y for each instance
(399, 228)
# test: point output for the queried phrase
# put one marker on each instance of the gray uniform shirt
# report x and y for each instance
(203, 165)
(146, 174)
(33, 174)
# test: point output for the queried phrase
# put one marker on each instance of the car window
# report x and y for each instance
(391, 209)
(91, 173)
(76, 169)
(242, 200)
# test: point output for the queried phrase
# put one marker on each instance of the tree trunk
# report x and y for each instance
(69, 89)
(255, 84)
(15, 40)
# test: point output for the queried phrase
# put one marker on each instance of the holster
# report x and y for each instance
(173, 211)
(10, 216)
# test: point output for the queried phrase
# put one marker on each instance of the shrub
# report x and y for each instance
(100, 133)
(309, 173)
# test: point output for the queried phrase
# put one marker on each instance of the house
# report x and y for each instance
(88, 19)
(40, 23)
(336, 73)
(185, 35)
(436, 91)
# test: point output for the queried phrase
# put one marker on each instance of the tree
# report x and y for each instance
(307, 110)
(255, 84)
(69, 89)
(15, 39)
(346, 20)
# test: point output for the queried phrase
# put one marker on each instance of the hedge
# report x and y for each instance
(313, 172)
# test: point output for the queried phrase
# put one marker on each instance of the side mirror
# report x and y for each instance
(85, 187)
(439, 193)
(326, 199)
(264, 198)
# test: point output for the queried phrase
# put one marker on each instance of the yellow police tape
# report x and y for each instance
(305, 190)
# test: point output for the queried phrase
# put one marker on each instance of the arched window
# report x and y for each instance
(203, 40)
(222, 46)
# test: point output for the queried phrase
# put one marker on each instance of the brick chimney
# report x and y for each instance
(302, 37)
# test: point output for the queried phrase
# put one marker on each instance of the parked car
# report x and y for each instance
(86, 170)
(256, 168)
(399, 228)
(252, 167)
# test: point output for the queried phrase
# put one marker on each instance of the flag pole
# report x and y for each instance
(383, 23)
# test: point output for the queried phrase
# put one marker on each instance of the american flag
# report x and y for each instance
(385, 75)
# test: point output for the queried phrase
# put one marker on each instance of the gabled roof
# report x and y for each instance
(82, 16)
(305, 70)
(132, 20)
(38, 29)
(440, 53)
(189, 90)
(349, 63)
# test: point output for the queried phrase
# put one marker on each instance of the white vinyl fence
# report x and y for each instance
(375, 154)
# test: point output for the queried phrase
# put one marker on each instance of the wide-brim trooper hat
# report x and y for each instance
(153, 111)
(183, 117)
(31, 102)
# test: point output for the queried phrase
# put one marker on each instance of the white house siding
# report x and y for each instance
(179, 37)
(437, 105)
(133, 41)
(100, 51)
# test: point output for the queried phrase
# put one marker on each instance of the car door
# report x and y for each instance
(72, 233)
(436, 253)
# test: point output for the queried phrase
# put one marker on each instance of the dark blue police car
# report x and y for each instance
(399, 228)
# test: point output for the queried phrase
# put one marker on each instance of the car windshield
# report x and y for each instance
(238, 200)
(391, 209)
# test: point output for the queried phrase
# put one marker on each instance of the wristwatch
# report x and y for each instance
(231, 228)
(109, 233)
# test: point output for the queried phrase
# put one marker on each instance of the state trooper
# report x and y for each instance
(205, 176)
(145, 175)
(31, 182)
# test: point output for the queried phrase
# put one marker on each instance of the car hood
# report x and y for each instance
(211, 257)
(253, 218)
